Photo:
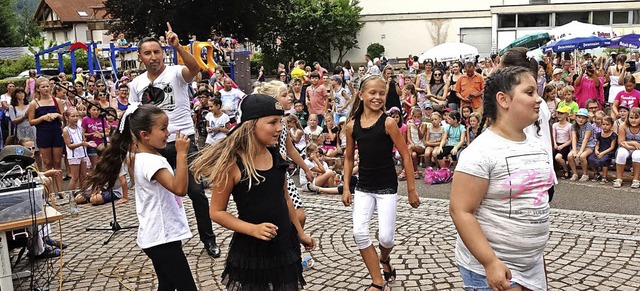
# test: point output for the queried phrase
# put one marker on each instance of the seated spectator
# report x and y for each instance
(433, 136)
(452, 139)
(604, 152)
(313, 130)
(621, 118)
(323, 176)
(561, 132)
(298, 137)
(415, 138)
(583, 142)
(628, 145)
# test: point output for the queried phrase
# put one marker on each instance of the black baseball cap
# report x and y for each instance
(254, 106)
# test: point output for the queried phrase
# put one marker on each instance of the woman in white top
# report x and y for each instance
(615, 75)
(499, 201)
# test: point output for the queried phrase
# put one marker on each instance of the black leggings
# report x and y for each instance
(446, 150)
(171, 267)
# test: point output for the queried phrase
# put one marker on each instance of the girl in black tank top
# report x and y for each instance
(375, 134)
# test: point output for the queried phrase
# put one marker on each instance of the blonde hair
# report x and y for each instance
(216, 161)
(39, 82)
(476, 115)
(272, 88)
(568, 88)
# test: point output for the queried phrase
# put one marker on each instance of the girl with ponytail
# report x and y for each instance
(162, 220)
(499, 201)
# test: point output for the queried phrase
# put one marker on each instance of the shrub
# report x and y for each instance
(256, 62)
(375, 50)
(18, 82)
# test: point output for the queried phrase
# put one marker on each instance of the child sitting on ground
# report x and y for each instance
(323, 176)
(99, 196)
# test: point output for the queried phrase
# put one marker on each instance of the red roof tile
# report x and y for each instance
(67, 10)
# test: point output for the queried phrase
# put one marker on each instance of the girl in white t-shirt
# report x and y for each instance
(159, 190)
(499, 196)
(218, 123)
(313, 131)
(323, 176)
(298, 137)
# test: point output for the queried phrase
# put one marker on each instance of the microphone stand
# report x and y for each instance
(114, 225)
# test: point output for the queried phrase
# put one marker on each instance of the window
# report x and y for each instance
(635, 14)
(566, 17)
(601, 17)
(533, 20)
(620, 17)
(82, 13)
(506, 20)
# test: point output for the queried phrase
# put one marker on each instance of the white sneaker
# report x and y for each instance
(584, 178)
(574, 177)
(635, 184)
(617, 183)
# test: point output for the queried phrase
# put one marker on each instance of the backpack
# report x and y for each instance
(439, 176)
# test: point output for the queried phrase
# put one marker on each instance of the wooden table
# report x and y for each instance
(6, 281)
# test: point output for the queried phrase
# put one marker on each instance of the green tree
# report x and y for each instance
(140, 18)
(27, 28)
(8, 24)
(309, 30)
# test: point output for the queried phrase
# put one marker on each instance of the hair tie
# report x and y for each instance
(133, 106)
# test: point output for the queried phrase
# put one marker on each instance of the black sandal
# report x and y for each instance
(388, 275)
(374, 286)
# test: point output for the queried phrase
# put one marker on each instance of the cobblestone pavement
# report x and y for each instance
(586, 251)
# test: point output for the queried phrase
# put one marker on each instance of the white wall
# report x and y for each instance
(409, 6)
(402, 38)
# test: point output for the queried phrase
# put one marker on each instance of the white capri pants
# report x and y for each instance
(623, 154)
(364, 204)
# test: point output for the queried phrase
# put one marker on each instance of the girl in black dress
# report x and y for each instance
(264, 253)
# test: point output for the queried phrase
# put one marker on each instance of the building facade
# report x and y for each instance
(413, 26)
(73, 20)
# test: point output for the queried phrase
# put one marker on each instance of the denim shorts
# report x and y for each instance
(472, 281)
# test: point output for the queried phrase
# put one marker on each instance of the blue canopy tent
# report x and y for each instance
(631, 41)
(576, 43)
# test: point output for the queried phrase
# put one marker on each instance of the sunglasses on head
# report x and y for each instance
(31, 148)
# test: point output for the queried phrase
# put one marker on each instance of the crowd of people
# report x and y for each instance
(352, 131)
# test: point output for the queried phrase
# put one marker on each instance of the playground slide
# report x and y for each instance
(210, 65)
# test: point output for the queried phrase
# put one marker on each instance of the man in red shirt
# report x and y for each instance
(470, 88)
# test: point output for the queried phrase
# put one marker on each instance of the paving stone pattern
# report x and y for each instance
(586, 251)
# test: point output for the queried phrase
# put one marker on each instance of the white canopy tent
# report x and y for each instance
(450, 51)
(579, 29)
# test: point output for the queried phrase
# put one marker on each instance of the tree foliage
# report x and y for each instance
(140, 18)
(8, 24)
(311, 29)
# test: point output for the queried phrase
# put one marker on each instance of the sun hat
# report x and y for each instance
(564, 109)
(583, 112)
(342, 119)
(255, 106)
(557, 71)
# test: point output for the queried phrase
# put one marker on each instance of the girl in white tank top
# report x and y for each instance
(76, 146)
